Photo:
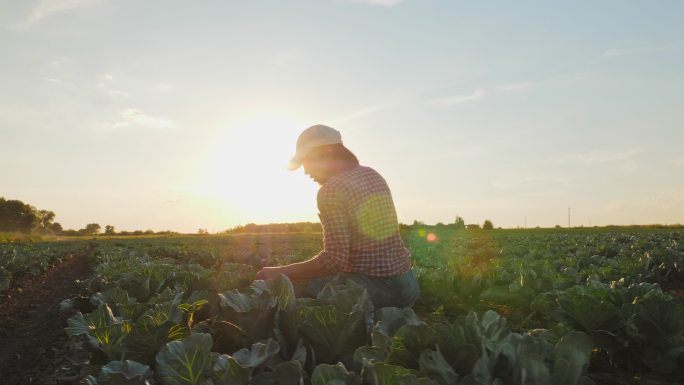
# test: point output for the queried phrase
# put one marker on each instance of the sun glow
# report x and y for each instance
(245, 172)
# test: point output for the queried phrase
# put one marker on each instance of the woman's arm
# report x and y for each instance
(311, 268)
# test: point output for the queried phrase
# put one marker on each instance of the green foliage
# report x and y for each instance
(592, 299)
(17, 216)
(123, 373)
(185, 362)
(326, 374)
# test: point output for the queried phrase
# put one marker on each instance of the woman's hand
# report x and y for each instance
(267, 273)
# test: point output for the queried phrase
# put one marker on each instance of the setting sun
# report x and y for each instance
(244, 171)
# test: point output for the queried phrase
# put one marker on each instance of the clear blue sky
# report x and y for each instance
(180, 115)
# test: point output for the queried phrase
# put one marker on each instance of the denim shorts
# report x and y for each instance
(397, 291)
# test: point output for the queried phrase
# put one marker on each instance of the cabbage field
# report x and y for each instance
(561, 307)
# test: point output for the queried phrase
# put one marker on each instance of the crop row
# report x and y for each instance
(32, 258)
(575, 301)
(156, 320)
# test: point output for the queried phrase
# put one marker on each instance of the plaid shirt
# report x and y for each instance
(360, 227)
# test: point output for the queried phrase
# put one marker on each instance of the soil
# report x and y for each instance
(34, 349)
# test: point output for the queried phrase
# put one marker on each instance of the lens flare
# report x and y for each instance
(431, 237)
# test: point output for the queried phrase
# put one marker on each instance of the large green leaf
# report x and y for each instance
(257, 354)
(103, 330)
(332, 333)
(365, 355)
(325, 374)
(483, 372)
(589, 313)
(227, 371)
(287, 373)
(228, 337)
(526, 358)
(280, 288)
(384, 374)
(237, 301)
(661, 322)
(571, 356)
(136, 286)
(348, 297)
(493, 330)
(254, 314)
(394, 317)
(408, 344)
(432, 364)
(460, 349)
(148, 336)
(121, 304)
(79, 324)
(184, 362)
(124, 373)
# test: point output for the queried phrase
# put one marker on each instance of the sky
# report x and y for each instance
(182, 115)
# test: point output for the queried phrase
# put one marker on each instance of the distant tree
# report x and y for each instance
(56, 228)
(149, 232)
(91, 229)
(17, 216)
(487, 225)
(439, 224)
(109, 230)
(473, 226)
(45, 219)
(417, 223)
(202, 231)
(459, 223)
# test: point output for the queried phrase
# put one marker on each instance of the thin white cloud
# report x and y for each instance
(670, 200)
(602, 156)
(614, 206)
(163, 87)
(614, 52)
(516, 182)
(459, 99)
(385, 3)
(513, 87)
(47, 8)
(118, 93)
(106, 83)
(135, 117)
(639, 49)
(356, 114)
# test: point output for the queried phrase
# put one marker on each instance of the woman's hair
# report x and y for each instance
(337, 153)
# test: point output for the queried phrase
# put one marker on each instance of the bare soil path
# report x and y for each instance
(34, 349)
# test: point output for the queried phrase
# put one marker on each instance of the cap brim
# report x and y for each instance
(294, 163)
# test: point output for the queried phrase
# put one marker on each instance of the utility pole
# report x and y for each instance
(568, 217)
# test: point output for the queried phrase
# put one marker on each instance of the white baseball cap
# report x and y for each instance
(314, 136)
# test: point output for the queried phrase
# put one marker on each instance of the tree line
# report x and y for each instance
(297, 227)
(19, 217)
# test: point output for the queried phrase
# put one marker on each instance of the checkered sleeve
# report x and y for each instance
(335, 255)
